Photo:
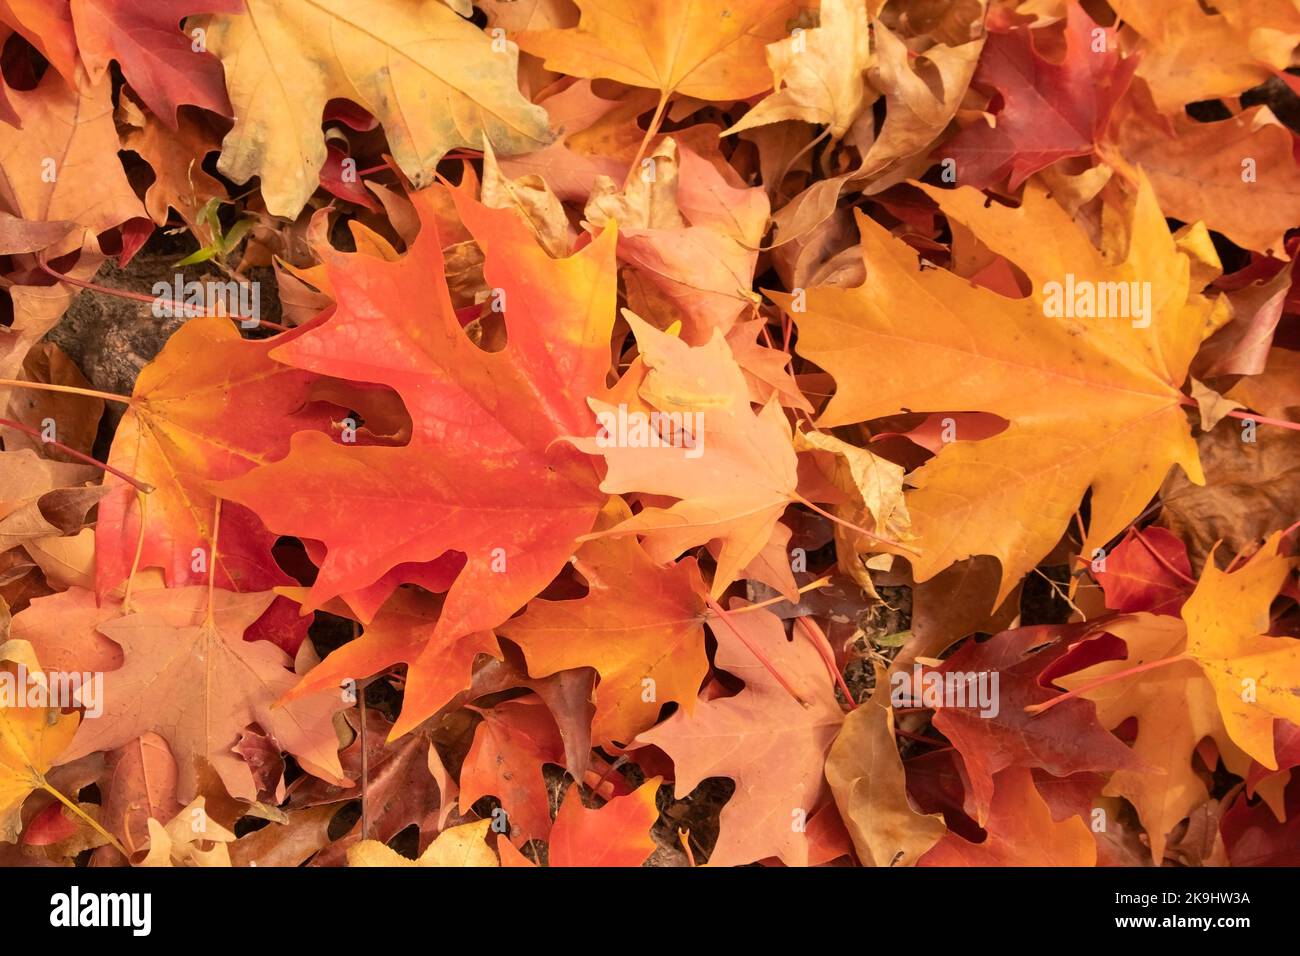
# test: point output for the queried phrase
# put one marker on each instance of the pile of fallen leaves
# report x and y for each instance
(624, 432)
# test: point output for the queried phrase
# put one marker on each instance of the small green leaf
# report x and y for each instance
(202, 255)
(237, 232)
(208, 214)
(897, 639)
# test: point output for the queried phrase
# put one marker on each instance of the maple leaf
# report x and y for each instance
(771, 745)
(871, 493)
(62, 165)
(1021, 831)
(1147, 571)
(31, 740)
(142, 786)
(1255, 836)
(1063, 741)
(157, 59)
(46, 25)
(1244, 346)
(510, 745)
(474, 413)
(698, 273)
(179, 182)
(585, 125)
(1251, 489)
(210, 407)
(732, 471)
(1214, 673)
(1275, 391)
(77, 415)
(922, 96)
(37, 307)
(867, 779)
(509, 510)
(1197, 168)
(407, 629)
(1193, 53)
(818, 74)
(464, 845)
(1269, 784)
(1254, 676)
(1093, 403)
(766, 369)
(532, 199)
(39, 497)
(27, 476)
(1050, 111)
(171, 643)
(567, 695)
(516, 15)
(285, 844)
(179, 843)
(616, 834)
(405, 783)
(283, 62)
(63, 629)
(711, 49)
(641, 627)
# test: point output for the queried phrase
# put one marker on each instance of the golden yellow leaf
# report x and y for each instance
(710, 49)
(434, 80)
(463, 845)
(31, 739)
(1093, 402)
(819, 74)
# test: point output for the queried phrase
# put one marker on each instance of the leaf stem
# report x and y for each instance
(142, 502)
(365, 754)
(650, 133)
(1163, 561)
(85, 817)
(606, 775)
(823, 645)
(684, 836)
(177, 308)
(1264, 420)
(812, 586)
(1109, 678)
(80, 456)
(65, 389)
(850, 525)
(811, 144)
(1083, 532)
(755, 650)
(212, 563)
(1248, 416)
(1236, 559)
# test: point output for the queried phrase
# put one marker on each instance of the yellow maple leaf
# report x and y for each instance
(463, 845)
(31, 739)
(711, 49)
(434, 80)
(1094, 401)
(1214, 673)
